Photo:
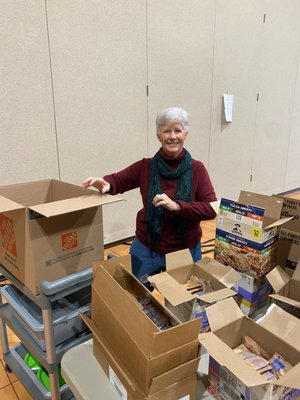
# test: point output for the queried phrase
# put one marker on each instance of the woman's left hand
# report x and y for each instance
(165, 201)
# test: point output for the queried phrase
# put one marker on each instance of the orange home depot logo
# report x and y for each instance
(8, 234)
(69, 240)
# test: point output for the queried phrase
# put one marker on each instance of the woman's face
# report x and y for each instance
(172, 136)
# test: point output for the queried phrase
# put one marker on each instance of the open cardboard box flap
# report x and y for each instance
(215, 205)
(271, 204)
(223, 273)
(9, 205)
(217, 295)
(223, 313)
(74, 204)
(178, 259)
(279, 281)
(278, 322)
(218, 350)
(283, 325)
(173, 291)
(176, 294)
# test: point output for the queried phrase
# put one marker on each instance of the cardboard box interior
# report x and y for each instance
(146, 352)
(277, 332)
(286, 289)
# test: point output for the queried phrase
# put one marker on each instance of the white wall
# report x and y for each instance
(73, 90)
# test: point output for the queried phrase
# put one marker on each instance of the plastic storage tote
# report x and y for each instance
(67, 322)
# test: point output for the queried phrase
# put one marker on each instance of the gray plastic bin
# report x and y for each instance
(18, 353)
(67, 322)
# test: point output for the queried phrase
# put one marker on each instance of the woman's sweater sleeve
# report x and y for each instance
(199, 209)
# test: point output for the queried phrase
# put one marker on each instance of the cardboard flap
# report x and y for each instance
(178, 259)
(278, 223)
(278, 279)
(174, 375)
(215, 205)
(74, 204)
(224, 355)
(286, 300)
(217, 295)
(271, 204)
(173, 291)
(9, 205)
(296, 274)
(223, 313)
(283, 325)
(223, 273)
(292, 378)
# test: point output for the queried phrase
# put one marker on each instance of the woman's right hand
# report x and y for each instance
(99, 183)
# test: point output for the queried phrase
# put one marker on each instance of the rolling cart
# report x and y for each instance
(49, 356)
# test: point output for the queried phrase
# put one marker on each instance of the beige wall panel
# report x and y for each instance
(293, 162)
(98, 53)
(278, 77)
(237, 55)
(27, 128)
(180, 59)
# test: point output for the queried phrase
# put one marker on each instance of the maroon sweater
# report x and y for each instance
(137, 175)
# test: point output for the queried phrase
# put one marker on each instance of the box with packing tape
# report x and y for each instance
(272, 372)
(188, 287)
(127, 319)
(286, 290)
(50, 229)
(247, 232)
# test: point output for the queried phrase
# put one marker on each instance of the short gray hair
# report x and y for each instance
(172, 114)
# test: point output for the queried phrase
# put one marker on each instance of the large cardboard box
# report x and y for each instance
(49, 229)
(230, 377)
(146, 351)
(289, 236)
(179, 269)
(286, 289)
(176, 384)
(247, 232)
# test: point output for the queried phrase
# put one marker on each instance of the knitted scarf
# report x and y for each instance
(183, 173)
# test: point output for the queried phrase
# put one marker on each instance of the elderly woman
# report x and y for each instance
(176, 191)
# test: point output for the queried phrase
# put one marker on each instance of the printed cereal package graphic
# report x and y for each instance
(247, 232)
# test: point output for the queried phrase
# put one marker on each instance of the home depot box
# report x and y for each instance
(230, 377)
(180, 268)
(289, 236)
(146, 351)
(286, 289)
(49, 229)
(177, 384)
(247, 232)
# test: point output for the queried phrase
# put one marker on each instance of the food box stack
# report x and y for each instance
(188, 287)
(246, 239)
(146, 352)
